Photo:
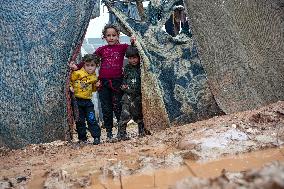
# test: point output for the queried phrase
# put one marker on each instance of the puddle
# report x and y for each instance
(164, 178)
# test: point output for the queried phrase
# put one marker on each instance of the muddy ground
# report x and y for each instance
(242, 150)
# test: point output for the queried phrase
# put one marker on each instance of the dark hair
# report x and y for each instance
(107, 26)
(91, 57)
(131, 51)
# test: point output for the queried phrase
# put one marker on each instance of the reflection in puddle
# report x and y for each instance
(163, 178)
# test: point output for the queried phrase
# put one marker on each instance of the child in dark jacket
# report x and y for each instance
(132, 98)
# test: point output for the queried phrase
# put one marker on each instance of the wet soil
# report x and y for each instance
(248, 144)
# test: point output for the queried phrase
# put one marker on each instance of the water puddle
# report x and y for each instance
(164, 178)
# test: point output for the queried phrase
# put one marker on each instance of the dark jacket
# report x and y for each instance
(132, 78)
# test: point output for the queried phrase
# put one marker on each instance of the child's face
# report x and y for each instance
(111, 36)
(134, 60)
(90, 67)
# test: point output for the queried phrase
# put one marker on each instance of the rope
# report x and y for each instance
(111, 87)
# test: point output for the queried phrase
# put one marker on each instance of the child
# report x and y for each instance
(83, 84)
(132, 98)
(110, 76)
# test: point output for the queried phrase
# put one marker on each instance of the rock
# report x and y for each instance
(190, 155)
(21, 179)
(186, 145)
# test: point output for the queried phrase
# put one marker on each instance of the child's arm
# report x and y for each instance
(132, 40)
(74, 77)
(75, 67)
(98, 52)
(124, 85)
(96, 85)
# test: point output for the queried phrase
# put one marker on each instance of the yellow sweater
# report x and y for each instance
(83, 83)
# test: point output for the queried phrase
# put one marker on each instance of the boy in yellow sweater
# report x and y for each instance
(83, 84)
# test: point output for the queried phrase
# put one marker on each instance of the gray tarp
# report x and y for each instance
(241, 45)
(175, 89)
(36, 41)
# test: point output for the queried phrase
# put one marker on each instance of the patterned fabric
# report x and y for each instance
(128, 8)
(133, 11)
(242, 48)
(112, 57)
(37, 40)
(175, 89)
(132, 78)
(97, 8)
(132, 98)
(83, 83)
(131, 109)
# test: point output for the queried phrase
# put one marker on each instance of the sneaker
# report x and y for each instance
(96, 141)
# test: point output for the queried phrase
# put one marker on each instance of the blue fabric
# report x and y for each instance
(128, 8)
(133, 11)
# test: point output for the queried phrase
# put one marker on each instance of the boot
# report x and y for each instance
(125, 136)
(96, 141)
(141, 132)
(121, 133)
(110, 139)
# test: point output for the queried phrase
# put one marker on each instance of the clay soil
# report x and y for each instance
(231, 151)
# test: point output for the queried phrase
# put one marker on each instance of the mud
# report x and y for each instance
(239, 144)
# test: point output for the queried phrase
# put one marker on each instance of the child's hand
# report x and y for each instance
(132, 39)
(98, 84)
(124, 87)
(72, 89)
(73, 66)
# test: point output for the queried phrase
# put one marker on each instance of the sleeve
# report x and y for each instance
(74, 77)
(98, 52)
(125, 80)
(124, 47)
(125, 75)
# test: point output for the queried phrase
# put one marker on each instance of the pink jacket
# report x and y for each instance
(112, 57)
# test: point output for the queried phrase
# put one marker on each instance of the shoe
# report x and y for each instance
(122, 137)
(82, 142)
(111, 140)
(140, 135)
(143, 132)
(125, 137)
(96, 141)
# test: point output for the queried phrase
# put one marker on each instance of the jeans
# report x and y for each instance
(87, 113)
